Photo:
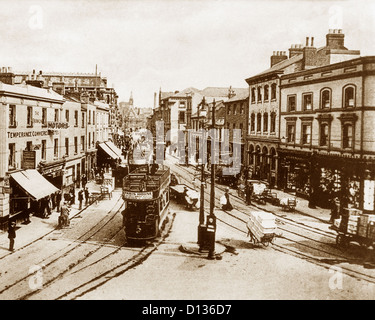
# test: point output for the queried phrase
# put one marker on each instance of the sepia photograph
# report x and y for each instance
(203, 152)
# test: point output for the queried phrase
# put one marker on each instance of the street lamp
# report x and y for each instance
(201, 226)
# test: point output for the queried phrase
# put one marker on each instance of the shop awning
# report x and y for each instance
(115, 149)
(108, 150)
(34, 184)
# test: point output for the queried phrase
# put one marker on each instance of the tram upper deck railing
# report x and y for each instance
(140, 180)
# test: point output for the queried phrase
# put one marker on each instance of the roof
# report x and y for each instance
(28, 90)
(278, 67)
(242, 95)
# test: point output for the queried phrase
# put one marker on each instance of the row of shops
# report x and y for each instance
(27, 190)
(320, 178)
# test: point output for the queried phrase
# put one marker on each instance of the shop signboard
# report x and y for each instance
(28, 160)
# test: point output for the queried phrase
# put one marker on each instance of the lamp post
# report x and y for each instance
(211, 219)
(201, 226)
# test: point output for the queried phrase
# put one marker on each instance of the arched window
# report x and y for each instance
(349, 101)
(259, 122)
(253, 95)
(259, 94)
(273, 91)
(266, 92)
(252, 122)
(265, 122)
(273, 122)
(325, 99)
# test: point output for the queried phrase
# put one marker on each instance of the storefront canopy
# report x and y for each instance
(34, 184)
(115, 149)
(107, 149)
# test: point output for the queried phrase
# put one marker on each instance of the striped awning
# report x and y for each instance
(104, 146)
(34, 184)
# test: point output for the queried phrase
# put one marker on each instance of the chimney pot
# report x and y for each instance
(312, 41)
(307, 41)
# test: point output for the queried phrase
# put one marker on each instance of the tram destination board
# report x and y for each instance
(137, 195)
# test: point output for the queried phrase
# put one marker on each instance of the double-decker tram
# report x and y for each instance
(146, 196)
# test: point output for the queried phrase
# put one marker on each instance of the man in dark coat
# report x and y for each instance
(249, 192)
(80, 199)
(11, 234)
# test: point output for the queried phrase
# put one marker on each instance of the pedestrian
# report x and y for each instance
(49, 206)
(80, 199)
(72, 196)
(84, 181)
(87, 196)
(64, 215)
(11, 234)
(227, 205)
(58, 200)
(249, 192)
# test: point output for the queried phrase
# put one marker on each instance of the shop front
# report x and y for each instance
(29, 188)
(294, 172)
(53, 172)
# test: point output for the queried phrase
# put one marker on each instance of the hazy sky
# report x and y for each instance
(142, 45)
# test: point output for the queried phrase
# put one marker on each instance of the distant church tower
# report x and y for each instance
(131, 101)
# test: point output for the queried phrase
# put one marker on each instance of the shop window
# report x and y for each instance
(273, 91)
(325, 98)
(291, 100)
(349, 97)
(12, 116)
(291, 130)
(266, 92)
(324, 134)
(252, 122)
(273, 122)
(29, 116)
(259, 122)
(259, 96)
(306, 133)
(12, 156)
(347, 139)
(265, 122)
(44, 149)
(307, 101)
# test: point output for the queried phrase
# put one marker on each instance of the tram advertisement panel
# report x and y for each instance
(129, 195)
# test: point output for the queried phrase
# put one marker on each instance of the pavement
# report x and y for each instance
(38, 227)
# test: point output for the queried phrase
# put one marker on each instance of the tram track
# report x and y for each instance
(326, 262)
(62, 253)
(117, 270)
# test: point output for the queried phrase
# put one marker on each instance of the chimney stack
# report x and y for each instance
(295, 49)
(6, 75)
(335, 39)
(277, 57)
(309, 54)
